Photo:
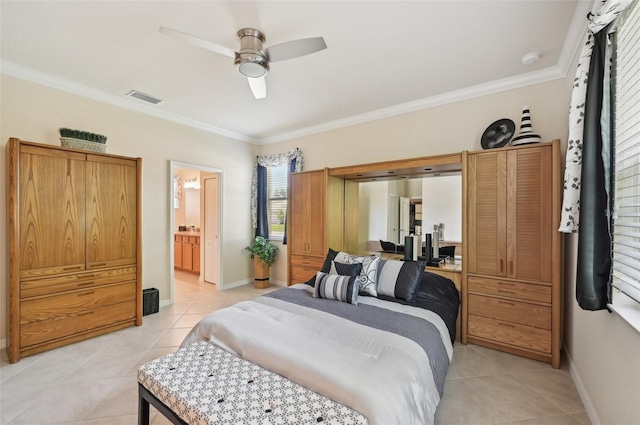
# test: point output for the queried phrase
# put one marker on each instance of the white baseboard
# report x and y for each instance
(235, 284)
(164, 303)
(582, 391)
(278, 282)
(3, 344)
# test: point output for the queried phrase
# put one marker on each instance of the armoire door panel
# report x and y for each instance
(487, 205)
(111, 212)
(298, 220)
(316, 210)
(52, 199)
(529, 214)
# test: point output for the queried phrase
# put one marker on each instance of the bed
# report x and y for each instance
(384, 356)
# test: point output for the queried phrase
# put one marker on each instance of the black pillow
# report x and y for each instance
(346, 269)
(399, 279)
(326, 266)
(331, 255)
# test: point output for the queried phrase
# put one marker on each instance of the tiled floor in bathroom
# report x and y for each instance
(93, 382)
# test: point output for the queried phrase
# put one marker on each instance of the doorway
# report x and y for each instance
(195, 221)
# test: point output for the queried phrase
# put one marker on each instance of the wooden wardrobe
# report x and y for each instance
(315, 221)
(512, 300)
(74, 241)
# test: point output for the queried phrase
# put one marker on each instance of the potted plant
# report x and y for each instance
(264, 253)
(85, 140)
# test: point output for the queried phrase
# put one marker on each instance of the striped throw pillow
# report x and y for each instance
(336, 287)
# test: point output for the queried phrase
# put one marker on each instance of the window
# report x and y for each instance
(626, 170)
(277, 199)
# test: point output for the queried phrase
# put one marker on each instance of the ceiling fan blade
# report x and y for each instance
(295, 48)
(258, 87)
(205, 44)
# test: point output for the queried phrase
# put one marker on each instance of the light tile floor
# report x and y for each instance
(93, 382)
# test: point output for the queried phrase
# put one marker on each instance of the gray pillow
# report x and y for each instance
(336, 287)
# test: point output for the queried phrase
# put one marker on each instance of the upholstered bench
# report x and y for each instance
(204, 384)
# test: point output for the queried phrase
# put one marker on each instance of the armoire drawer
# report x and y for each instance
(302, 274)
(84, 280)
(510, 333)
(307, 261)
(527, 314)
(60, 327)
(521, 291)
(76, 302)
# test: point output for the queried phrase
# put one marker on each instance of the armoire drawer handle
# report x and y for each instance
(86, 283)
(501, 265)
(506, 324)
(84, 294)
(98, 265)
(86, 313)
(506, 303)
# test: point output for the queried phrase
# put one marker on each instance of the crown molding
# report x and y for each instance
(29, 74)
(524, 80)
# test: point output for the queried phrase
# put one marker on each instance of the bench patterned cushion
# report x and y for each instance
(204, 384)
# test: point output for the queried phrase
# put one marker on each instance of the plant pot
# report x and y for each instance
(85, 145)
(260, 274)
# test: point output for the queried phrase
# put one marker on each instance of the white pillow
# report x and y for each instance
(369, 273)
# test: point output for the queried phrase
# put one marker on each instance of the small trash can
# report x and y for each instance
(150, 301)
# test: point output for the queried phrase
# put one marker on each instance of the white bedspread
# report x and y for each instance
(384, 376)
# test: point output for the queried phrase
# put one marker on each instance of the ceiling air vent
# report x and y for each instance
(143, 96)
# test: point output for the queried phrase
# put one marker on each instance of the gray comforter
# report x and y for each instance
(385, 360)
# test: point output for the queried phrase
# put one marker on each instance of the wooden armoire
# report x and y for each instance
(74, 241)
(512, 299)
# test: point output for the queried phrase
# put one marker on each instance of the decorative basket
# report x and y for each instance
(86, 145)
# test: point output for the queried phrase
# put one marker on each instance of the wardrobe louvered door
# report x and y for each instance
(529, 214)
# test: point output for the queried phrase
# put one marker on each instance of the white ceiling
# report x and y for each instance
(383, 57)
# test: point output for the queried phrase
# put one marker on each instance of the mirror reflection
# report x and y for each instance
(392, 209)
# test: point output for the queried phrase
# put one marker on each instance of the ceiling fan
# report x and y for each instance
(252, 60)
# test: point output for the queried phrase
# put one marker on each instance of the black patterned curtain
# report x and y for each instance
(594, 242)
(587, 188)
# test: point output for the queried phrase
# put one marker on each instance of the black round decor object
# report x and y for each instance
(498, 134)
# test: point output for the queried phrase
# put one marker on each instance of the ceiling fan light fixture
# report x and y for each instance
(252, 65)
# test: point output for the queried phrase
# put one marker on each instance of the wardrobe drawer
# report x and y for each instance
(522, 291)
(510, 311)
(85, 280)
(510, 333)
(47, 330)
(307, 261)
(72, 303)
(302, 274)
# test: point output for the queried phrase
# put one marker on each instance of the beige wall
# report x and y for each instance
(605, 353)
(33, 112)
(445, 129)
